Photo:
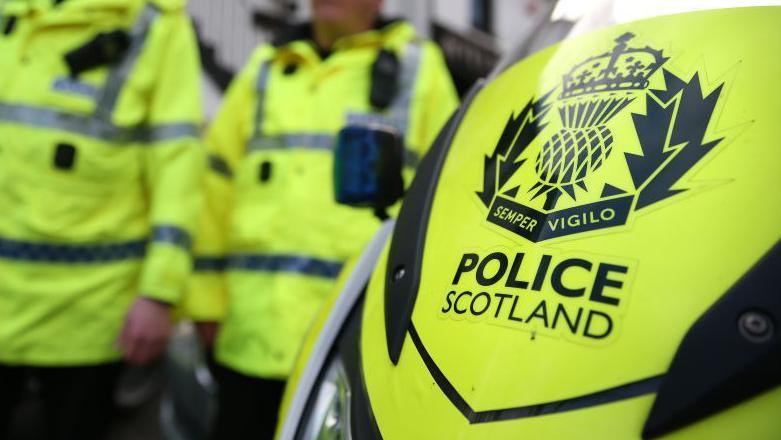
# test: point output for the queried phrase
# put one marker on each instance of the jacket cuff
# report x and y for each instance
(167, 265)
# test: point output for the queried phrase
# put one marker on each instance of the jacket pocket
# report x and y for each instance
(71, 189)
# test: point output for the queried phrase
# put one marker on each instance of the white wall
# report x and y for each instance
(452, 13)
(228, 24)
(515, 20)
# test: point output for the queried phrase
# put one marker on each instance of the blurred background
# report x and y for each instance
(173, 398)
(472, 33)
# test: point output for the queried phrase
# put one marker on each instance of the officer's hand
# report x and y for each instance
(145, 333)
(207, 332)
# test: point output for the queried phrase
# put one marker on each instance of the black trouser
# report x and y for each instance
(247, 406)
(77, 401)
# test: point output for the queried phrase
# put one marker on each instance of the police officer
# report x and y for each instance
(276, 238)
(99, 171)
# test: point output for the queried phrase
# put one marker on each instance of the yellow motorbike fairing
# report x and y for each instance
(597, 198)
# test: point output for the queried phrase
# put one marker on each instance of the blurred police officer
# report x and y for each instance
(275, 239)
(99, 170)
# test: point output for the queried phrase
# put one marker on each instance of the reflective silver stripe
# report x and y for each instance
(316, 141)
(166, 132)
(355, 118)
(313, 141)
(261, 87)
(399, 112)
(402, 104)
(47, 118)
(401, 108)
(118, 76)
(92, 127)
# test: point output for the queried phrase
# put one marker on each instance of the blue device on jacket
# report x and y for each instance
(367, 166)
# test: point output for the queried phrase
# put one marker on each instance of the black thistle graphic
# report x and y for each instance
(671, 134)
(593, 92)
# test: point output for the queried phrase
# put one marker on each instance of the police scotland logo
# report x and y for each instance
(592, 138)
(566, 152)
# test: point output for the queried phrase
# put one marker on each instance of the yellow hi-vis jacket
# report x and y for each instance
(99, 174)
(283, 237)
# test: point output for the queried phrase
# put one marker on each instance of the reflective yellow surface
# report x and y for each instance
(553, 271)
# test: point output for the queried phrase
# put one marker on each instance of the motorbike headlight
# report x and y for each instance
(330, 416)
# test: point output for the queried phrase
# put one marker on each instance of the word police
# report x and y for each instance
(539, 293)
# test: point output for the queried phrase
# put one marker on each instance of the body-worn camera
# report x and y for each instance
(368, 161)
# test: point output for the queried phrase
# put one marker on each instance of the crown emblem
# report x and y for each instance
(567, 154)
(623, 68)
(589, 100)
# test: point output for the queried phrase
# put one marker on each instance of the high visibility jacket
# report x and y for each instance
(98, 173)
(283, 237)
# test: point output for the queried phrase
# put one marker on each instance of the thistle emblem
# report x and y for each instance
(593, 92)
(670, 139)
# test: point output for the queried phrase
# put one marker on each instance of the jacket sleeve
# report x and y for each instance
(173, 154)
(206, 297)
